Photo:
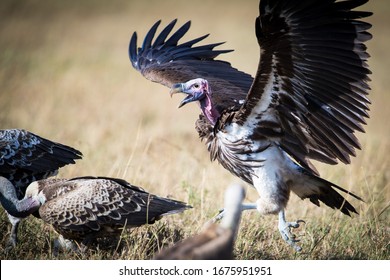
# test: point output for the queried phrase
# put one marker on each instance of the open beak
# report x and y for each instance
(180, 88)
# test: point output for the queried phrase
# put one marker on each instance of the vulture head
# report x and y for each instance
(197, 90)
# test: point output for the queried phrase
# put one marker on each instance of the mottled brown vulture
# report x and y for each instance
(25, 158)
(84, 208)
(215, 242)
(306, 101)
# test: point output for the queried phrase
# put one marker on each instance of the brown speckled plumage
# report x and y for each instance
(89, 207)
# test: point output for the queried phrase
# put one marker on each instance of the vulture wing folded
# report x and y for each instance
(80, 206)
(26, 157)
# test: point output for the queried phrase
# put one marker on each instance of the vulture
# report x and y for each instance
(85, 208)
(25, 158)
(306, 101)
(216, 242)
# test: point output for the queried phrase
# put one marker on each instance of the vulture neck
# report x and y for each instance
(17, 208)
(208, 109)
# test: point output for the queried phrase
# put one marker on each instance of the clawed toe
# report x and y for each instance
(215, 219)
(295, 224)
(290, 238)
(219, 216)
(10, 245)
(64, 245)
(221, 213)
(285, 231)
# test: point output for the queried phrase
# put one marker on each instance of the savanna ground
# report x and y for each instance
(65, 75)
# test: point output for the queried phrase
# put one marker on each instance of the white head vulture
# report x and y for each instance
(215, 242)
(306, 101)
(25, 158)
(84, 208)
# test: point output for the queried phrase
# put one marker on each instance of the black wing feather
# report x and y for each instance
(318, 50)
(314, 52)
(26, 157)
(167, 61)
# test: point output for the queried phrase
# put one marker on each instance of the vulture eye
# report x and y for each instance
(196, 86)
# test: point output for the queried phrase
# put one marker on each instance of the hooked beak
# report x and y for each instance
(180, 88)
(177, 88)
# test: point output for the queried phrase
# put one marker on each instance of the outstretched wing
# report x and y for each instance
(166, 61)
(310, 91)
(26, 157)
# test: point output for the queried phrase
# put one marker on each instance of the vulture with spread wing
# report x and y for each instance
(306, 101)
(26, 157)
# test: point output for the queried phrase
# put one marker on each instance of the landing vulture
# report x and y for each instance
(25, 158)
(306, 101)
(84, 208)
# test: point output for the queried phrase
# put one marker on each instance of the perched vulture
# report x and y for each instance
(306, 101)
(82, 209)
(25, 158)
(216, 242)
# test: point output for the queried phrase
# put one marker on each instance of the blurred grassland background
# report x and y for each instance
(65, 75)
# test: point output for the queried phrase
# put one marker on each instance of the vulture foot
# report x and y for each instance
(219, 216)
(244, 206)
(285, 231)
(11, 243)
(65, 245)
(13, 238)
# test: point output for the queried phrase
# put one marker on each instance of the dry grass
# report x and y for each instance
(65, 75)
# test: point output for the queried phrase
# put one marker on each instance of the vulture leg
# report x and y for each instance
(284, 229)
(64, 245)
(248, 206)
(244, 206)
(13, 238)
(284, 226)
